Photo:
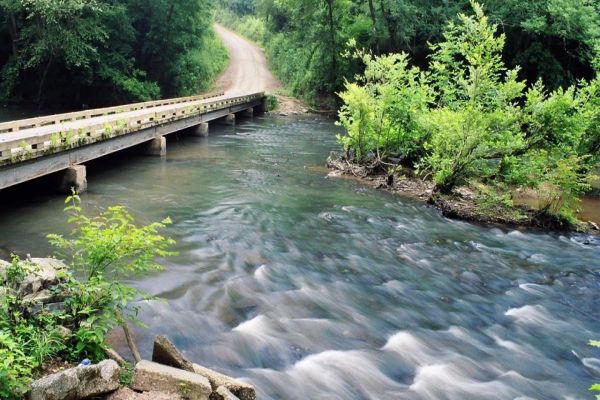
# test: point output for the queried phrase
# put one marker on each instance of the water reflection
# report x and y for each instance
(313, 288)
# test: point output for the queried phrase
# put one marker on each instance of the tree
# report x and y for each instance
(105, 51)
(469, 119)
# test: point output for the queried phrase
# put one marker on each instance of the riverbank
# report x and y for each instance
(461, 205)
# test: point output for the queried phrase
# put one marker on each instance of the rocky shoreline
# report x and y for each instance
(460, 206)
(167, 376)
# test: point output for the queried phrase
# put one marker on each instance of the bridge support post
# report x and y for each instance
(262, 107)
(230, 119)
(155, 147)
(249, 112)
(201, 130)
(74, 178)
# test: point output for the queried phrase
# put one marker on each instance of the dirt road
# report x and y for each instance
(248, 71)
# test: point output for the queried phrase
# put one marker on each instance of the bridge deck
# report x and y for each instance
(33, 147)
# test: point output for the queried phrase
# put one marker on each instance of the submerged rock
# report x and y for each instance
(471, 278)
(151, 376)
(78, 383)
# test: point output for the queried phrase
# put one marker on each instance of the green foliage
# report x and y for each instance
(101, 251)
(104, 51)
(556, 40)
(26, 341)
(271, 102)
(381, 111)
(126, 376)
(595, 387)
(467, 118)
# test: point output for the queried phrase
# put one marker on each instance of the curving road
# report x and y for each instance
(248, 71)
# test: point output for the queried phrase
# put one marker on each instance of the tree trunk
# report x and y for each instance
(372, 12)
(12, 29)
(389, 21)
(129, 337)
(42, 82)
(374, 22)
(332, 40)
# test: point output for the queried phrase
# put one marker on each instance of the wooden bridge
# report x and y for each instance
(35, 147)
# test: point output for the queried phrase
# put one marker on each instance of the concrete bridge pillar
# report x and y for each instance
(262, 107)
(201, 130)
(74, 178)
(230, 119)
(249, 112)
(155, 147)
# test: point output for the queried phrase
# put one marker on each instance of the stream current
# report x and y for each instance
(319, 288)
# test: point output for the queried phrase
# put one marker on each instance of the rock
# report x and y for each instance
(594, 226)
(43, 296)
(549, 280)
(242, 390)
(3, 267)
(151, 376)
(166, 353)
(64, 333)
(222, 393)
(78, 383)
(125, 393)
(44, 272)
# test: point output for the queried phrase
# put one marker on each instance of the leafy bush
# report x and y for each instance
(381, 112)
(101, 251)
(469, 118)
(26, 341)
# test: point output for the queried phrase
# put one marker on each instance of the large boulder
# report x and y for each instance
(78, 383)
(150, 376)
(242, 390)
(166, 353)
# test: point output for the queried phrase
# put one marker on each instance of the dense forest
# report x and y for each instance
(98, 52)
(556, 40)
(501, 99)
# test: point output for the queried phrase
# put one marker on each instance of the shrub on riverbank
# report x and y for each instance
(100, 251)
(468, 120)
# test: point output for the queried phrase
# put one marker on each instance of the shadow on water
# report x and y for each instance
(318, 288)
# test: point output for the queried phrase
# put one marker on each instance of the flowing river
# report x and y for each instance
(317, 288)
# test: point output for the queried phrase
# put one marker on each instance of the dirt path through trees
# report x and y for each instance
(248, 70)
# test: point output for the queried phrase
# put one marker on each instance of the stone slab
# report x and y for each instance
(150, 376)
(165, 352)
(243, 390)
(78, 383)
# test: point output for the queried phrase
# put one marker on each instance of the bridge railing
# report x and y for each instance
(30, 123)
(70, 132)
